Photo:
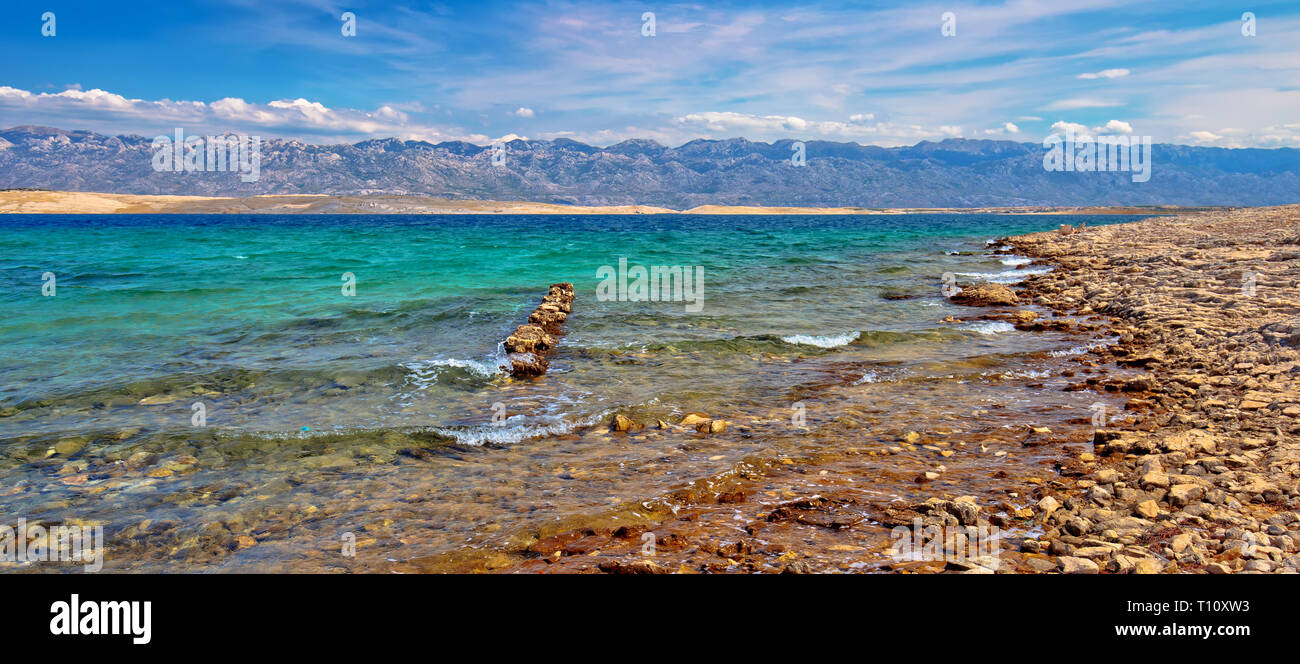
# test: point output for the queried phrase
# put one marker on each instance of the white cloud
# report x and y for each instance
(524, 112)
(1074, 104)
(1006, 128)
(296, 118)
(1205, 136)
(1082, 131)
(1063, 127)
(1106, 73)
(862, 117)
(1115, 127)
(771, 127)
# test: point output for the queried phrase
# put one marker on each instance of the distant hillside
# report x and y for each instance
(951, 173)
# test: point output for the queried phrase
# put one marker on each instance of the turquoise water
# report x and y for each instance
(246, 315)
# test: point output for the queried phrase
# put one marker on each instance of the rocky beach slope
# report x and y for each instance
(1204, 477)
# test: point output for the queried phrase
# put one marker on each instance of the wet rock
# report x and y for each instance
(694, 419)
(1048, 505)
(632, 567)
(527, 364)
(984, 295)
(529, 339)
(529, 343)
(624, 423)
(712, 426)
(69, 446)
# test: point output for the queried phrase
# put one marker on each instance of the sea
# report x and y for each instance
(256, 392)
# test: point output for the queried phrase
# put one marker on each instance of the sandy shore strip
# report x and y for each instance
(77, 202)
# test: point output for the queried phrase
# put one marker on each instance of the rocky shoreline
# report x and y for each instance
(1192, 327)
(1204, 479)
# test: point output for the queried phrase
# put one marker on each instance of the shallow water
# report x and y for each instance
(414, 441)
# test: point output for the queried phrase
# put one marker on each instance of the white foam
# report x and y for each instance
(1080, 350)
(424, 372)
(824, 341)
(1016, 261)
(869, 377)
(478, 436)
(1007, 277)
(990, 328)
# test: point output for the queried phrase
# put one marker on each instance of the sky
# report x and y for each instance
(594, 71)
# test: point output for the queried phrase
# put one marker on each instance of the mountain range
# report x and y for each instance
(948, 173)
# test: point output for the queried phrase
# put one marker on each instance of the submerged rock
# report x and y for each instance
(624, 423)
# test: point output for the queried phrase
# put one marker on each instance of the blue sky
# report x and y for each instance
(872, 73)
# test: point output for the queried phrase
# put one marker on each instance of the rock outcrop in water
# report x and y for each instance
(528, 345)
(984, 295)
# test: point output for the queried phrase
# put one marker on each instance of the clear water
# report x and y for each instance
(246, 316)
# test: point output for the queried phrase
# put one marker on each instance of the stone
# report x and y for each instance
(1147, 566)
(1122, 564)
(694, 419)
(1154, 479)
(528, 339)
(1259, 566)
(527, 364)
(1181, 495)
(985, 295)
(527, 345)
(1147, 509)
(623, 423)
(712, 426)
(633, 567)
(1048, 505)
(1074, 565)
(69, 446)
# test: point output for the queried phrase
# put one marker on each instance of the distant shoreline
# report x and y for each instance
(28, 201)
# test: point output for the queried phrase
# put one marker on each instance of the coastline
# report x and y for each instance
(1195, 472)
(1206, 478)
(78, 202)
